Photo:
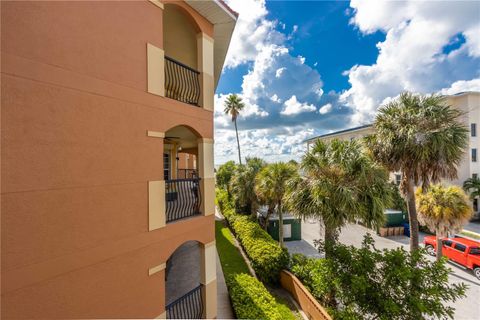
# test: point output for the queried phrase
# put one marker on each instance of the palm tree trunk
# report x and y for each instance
(439, 247)
(280, 224)
(330, 239)
(412, 214)
(269, 213)
(238, 143)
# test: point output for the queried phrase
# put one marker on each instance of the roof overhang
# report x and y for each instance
(223, 19)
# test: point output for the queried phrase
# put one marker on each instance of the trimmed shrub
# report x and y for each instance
(251, 300)
(265, 254)
(315, 274)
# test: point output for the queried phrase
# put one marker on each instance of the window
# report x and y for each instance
(474, 175)
(474, 155)
(447, 243)
(475, 205)
(166, 166)
(398, 179)
(475, 251)
(473, 129)
(460, 247)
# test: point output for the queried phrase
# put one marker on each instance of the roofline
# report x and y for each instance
(339, 132)
(462, 93)
(227, 9)
(458, 94)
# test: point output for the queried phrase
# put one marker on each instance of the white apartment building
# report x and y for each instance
(469, 102)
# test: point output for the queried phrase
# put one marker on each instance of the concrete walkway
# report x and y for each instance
(224, 308)
(302, 247)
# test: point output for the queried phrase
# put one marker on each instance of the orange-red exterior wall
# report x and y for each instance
(76, 161)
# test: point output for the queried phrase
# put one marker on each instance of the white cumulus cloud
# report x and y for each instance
(325, 109)
(413, 55)
(293, 106)
(279, 72)
(252, 32)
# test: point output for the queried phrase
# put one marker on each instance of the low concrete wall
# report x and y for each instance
(304, 298)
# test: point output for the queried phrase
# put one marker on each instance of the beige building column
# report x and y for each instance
(209, 280)
(155, 70)
(159, 271)
(205, 66)
(205, 171)
(156, 193)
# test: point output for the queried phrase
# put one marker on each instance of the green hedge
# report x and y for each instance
(265, 254)
(251, 300)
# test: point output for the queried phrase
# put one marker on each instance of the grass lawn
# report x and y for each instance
(230, 258)
(232, 263)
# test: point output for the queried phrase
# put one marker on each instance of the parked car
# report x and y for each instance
(463, 251)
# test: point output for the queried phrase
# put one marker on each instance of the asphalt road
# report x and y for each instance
(466, 309)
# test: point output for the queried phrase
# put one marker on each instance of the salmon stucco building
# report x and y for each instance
(107, 185)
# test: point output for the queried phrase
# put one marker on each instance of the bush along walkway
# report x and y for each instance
(251, 299)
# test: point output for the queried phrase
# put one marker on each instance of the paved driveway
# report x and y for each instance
(466, 309)
(473, 226)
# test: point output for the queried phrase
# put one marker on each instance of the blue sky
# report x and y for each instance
(305, 68)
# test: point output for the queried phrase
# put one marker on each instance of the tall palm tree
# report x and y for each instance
(243, 185)
(472, 186)
(233, 107)
(443, 209)
(271, 185)
(340, 183)
(422, 137)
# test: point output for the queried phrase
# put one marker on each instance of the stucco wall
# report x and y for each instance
(76, 161)
(180, 36)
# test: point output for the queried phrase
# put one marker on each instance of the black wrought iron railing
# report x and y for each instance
(189, 306)
(182, 83)
(183, 198)
(186, 173)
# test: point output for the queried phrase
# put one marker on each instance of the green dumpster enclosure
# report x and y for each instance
(292, 227)
(394, 218)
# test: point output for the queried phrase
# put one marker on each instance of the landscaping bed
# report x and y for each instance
(250, 298)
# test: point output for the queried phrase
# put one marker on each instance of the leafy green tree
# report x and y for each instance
(340, 184)
(422, 137)
(243, 185)
(379, 284)
(398, 201)
(271, 185)
(443, 209)
(233, 107)
(472, 186)
(224, 175)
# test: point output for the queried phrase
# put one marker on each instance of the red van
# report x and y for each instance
(463, 251)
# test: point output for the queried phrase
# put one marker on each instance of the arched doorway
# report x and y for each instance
(183, 288)
(181, 55)
(182, 182)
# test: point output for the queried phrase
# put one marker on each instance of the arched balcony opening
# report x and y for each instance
(182, 78)
(182, 182)
(183, 288)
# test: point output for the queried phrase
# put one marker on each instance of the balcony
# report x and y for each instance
(183, 288)
(183, 198)
(182, 83)
(189, 306)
